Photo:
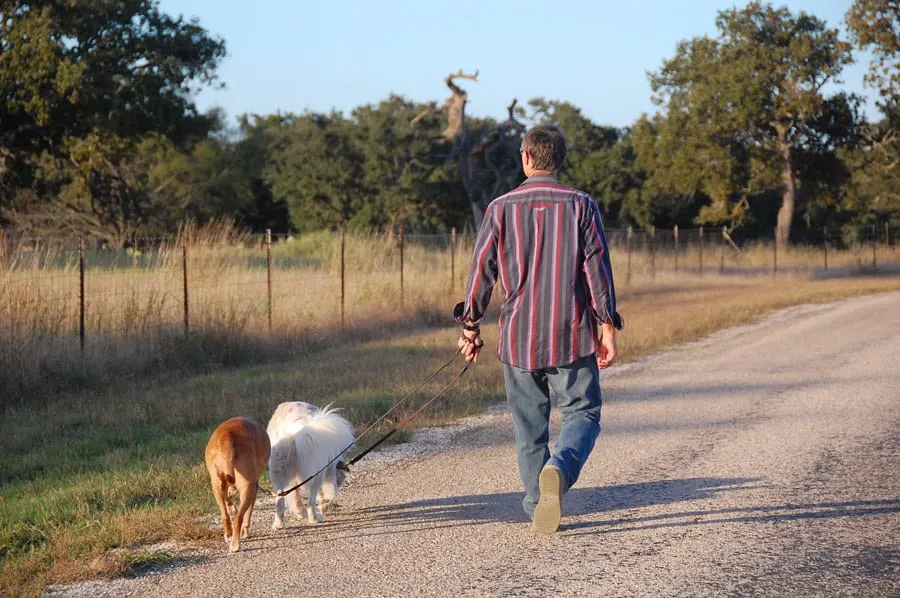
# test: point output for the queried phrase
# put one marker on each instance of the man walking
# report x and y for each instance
(558, 320)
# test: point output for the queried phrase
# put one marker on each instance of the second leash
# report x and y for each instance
(393, 430)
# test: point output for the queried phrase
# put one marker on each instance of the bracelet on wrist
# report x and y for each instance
(471, 327)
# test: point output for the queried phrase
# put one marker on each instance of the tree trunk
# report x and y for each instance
(483, 165)
(788, 189)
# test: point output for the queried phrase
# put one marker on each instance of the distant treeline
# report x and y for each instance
(99, 135)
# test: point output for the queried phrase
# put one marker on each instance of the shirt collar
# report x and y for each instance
(541, 178)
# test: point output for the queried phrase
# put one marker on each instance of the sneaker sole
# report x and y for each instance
(548, 511)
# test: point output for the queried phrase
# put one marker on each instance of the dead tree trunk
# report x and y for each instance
(489, 166)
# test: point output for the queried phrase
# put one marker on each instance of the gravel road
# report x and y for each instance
(760, 462)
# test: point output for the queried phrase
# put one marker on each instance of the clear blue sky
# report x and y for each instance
(293, 55)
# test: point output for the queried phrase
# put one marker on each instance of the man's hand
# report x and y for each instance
(470, 344)
(608, 350)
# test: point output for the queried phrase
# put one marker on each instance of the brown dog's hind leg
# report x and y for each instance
(247, 493)
(251, 501)
(220, 491)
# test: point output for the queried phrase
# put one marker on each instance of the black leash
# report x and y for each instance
(409, 418)
(394, 430)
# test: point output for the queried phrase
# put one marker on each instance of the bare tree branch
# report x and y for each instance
(456, 109)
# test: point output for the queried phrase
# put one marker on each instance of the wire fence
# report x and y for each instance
(62, 298)
(56, 285)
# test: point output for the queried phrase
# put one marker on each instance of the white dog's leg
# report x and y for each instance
(278, 522)
(296, 498)
(312, 511)
(329, 489)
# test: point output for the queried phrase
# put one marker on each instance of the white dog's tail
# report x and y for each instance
(319, 442)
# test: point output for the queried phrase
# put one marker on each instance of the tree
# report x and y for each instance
(875, 25)
(875, 163)
(252, 151)
(618, 184)
(600, 160)
(318, 172)
(406, 184)
(487, 154)
(85, 83)
(380, 168)
(583, 137)
(742, 109)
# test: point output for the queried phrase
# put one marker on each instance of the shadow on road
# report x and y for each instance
(752, 514)
(506, 506)
(619, 502)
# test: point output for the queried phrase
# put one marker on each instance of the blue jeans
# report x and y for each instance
(577, 388)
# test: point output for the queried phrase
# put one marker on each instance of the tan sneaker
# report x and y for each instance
(548, 511)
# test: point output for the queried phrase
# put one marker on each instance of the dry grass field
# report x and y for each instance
(101, 450)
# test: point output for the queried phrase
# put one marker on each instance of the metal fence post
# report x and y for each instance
(675, 232)
(401, 268)
(825, 244)
(701, 250)
(652, 253)
(269, 275)
(184, 269)
(81, 306)
(722, 262)
(343, 244)
(628, 244)
(452, 259)
(874, 249)
(775, 254)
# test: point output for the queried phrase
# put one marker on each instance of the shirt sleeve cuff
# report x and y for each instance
(460, 315)
(617, 321)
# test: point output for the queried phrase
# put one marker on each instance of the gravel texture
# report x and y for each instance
(762, 461)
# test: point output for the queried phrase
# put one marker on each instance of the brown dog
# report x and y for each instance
(236, 456)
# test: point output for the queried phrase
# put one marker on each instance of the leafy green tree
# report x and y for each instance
(85, 83)
(875, 26)
(382, 167)
(743, 108)
(583, 137)
(875, 162)
(318, 172)
(251, 153)
(405, 184)
(618, 184)
(600, 160)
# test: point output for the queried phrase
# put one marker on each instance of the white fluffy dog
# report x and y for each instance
(304, 438)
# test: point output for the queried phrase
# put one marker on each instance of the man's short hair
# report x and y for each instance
(546, 145)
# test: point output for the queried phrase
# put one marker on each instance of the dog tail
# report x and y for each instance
(226, 459)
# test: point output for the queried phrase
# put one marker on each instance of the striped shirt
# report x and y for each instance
(545, 243)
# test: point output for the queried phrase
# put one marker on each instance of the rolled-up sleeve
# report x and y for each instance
(597, 265)
(482, 271)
